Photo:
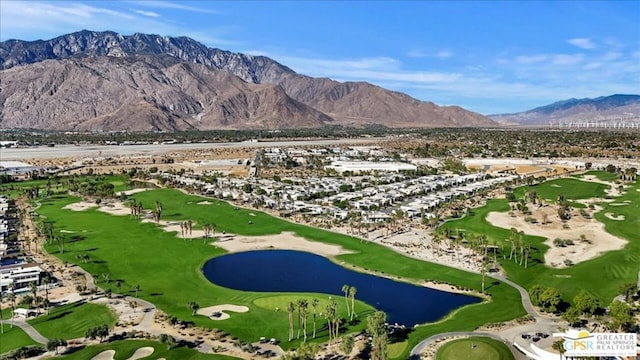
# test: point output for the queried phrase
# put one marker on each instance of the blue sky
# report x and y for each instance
(490, 57)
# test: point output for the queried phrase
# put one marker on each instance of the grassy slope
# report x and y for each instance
(14, 338)
(72, 321)
(168, 269)
(474, 348)
(600, 276)
(124, 350)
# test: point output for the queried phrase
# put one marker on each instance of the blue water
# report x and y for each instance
(295, 271)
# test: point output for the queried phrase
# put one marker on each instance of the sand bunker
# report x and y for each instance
(618, 204)
(284, 240)
(600, 241)
(142, 353)
(80, 206)
(105, 355)
(67, 231)
(114, 208)
(217, 312)
(612, 216)
(205, 203)
(174, 226)
(133, 191)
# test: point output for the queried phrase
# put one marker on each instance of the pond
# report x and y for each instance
(295, 271)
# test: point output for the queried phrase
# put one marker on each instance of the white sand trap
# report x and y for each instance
(284, 240)
(174, 226)
(619, 204)
(80, 206)
(217, 312)
(252, 214)
(133, 191)
(67, 231)
(612, 216)
(105, 355)
(205, 203)
(600, 240)
(555, 185)
(142, 353)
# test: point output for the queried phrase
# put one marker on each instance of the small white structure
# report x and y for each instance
(362, 166)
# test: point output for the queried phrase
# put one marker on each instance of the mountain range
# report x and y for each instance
(605, 109)
(103, 81)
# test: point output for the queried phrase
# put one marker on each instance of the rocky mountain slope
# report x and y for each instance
(615, 108)
(107, 81)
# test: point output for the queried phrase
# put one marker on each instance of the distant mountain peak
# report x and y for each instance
(617, 107)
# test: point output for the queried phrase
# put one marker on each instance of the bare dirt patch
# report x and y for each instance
(142, 353)
(598, 240)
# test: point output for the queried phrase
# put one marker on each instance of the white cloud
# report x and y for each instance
(147, 13)
(567, 60)
(442, 54)
(583, 43)
(173, 5)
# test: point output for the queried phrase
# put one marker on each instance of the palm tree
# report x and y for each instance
(34, 290)
(12, 299)
(1, 322)
(559, 346)
(483, 269)
(345, 290)
(300, 305)
(194, 306)
(46, 279)
(291, 309)
(352, 293)
(314, 305)
(136, 288)
(304, 304)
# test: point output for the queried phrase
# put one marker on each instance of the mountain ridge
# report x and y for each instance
(319, 100)
(614, 107)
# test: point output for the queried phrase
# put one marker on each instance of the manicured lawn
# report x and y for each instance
(124, 349)
(572, 189)
(474, 348)
(168, 269)
(72, 321)
(600, 276)
(14, 338)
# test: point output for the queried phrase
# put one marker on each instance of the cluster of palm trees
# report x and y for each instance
(302, 306)
(12, 299)
(157, 213)
(186, 227)
(136, 208)
(350, 292)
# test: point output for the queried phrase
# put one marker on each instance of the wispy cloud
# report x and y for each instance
(20, 18)
(566, 59)
(441, 54)
(583, 43)
(173, 5)
(147, 13)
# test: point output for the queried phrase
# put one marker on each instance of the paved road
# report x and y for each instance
(83, 151)
(33, 333)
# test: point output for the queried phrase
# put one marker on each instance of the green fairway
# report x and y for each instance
(474, 348)
(571, 188)
(72, 321)
(602, 275)
(14, 338)
(168, 269)
(124, 349)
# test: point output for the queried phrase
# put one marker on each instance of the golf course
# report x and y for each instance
(165, 269)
